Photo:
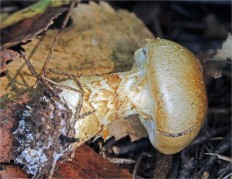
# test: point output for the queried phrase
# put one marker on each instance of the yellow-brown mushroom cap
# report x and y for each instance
(175, 78)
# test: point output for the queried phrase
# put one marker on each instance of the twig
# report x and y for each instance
(121, 161)
(43, 71)
(131, 147)
(202, 138)
(175, 167)
(228, 176)
(35, 74)
(72, 76)
(222, 110)
(13, 79)
(63, 86)
(86, 114)
(108, 145)
(54, 163)
(220, 148)
(138, 162)
(226, 171)
(163, 164)
(63, 73)
(228, 159)
(188, 164)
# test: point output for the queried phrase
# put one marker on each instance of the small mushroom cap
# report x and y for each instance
(175, 78)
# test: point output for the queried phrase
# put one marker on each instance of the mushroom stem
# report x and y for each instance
(106, 98)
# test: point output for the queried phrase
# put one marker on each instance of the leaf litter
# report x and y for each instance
(87, 47)
(5, 56)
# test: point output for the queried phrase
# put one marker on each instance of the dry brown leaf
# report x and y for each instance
(27, 29)
(12, 171)
(31, 11)
(88, 164)
(24, 24)
(5, 56)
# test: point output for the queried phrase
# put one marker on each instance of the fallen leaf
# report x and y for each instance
(5, 56)
(12, 171)
(88, 164)
(85, 164)
(26, 29)
(35, 9)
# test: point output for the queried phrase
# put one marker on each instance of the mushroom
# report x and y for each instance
(165, 88)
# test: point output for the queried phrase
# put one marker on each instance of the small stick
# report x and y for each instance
(138, 162)
(35, 74)
(121, 161)
(43, 71)
(202, 138)
(228, 159)
(74, 77)
(175, 167)
(81, 91)
(13, 79)
(188, 165)
(63, 86)
(70, 76)
(163, 165)
(131, 147)
(226, 171)
(63, 73)
(86, 114)
(220, 148)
